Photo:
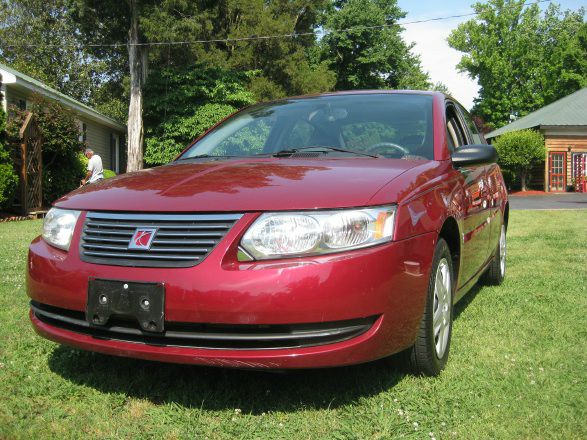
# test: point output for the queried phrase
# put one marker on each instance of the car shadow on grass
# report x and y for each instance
(212, 388)
(469, 297)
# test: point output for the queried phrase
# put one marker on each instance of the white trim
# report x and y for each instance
(81, 109)
(4, 98)
(571, 130)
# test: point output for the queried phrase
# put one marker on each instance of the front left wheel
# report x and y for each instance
(429, 353)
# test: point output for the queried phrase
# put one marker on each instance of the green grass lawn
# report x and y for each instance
(517, 368)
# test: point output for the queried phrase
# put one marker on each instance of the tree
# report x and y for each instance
(180, 104)
(40, 40)
(374, 55)
(112, 22)
(519, 151)
(285, 65)
(517, 55)
(574, 62)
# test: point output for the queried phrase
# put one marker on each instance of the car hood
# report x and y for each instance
(242, 185)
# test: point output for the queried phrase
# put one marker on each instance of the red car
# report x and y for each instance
(307, 232)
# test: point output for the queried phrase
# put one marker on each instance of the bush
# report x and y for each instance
(8, 178)
(63, 166)
(519, 151)
(108, 174)
(8, 184)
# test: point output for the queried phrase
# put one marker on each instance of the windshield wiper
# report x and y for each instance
(290, 151)
(204, 156)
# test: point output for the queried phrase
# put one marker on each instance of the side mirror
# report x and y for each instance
(474, 155)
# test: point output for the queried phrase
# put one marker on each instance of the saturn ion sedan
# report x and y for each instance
(307, 232)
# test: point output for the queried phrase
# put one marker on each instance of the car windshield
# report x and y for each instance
(378, 125)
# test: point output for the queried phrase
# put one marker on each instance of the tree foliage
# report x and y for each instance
(8, 178)
(519, 151)
(63, 166)
(40, 39)
(183, 103)
(523, 59)
(66, 56)
(374, 55)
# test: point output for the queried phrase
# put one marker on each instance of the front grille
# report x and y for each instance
(181, 240)
(241, 336)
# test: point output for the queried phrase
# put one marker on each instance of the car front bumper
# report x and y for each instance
(386, 284)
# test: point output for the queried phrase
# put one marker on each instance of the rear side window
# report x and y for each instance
(455, 133)
(475, 136)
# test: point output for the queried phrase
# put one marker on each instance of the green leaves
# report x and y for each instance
(182, 103)
(523, 59)
(8, 178)
(373, 56)
(63, 164)
(519, 151)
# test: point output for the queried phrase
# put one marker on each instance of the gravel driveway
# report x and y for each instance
(551, 201)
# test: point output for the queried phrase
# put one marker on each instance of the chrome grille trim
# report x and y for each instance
(182, 240)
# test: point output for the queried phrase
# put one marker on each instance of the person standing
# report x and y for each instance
(95, 171)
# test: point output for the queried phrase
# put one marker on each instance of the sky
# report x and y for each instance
(437, 57)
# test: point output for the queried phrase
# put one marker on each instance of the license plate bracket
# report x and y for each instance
(141, 300)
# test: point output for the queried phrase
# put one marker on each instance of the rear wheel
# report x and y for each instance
(496, 271)
(429, 353)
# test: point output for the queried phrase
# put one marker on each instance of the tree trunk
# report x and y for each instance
(137, 60)
(523, 175)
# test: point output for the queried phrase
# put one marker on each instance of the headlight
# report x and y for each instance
(58, 227)
(293, 234)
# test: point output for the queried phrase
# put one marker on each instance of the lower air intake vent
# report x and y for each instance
(251, 337)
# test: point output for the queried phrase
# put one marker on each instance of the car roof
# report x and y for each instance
(361, 92)
(367, 92)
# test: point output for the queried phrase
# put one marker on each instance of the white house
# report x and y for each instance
(103, 134)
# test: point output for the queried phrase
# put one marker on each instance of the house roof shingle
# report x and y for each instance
(568, 111)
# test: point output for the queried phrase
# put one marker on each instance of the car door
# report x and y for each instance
(493, 185)
(476, 224)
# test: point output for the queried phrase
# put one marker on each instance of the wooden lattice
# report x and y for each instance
(31, 166)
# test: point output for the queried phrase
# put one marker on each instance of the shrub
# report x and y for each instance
(63, 167)
(8, 184)
(108, 174)
(8, 178)
(519, 151)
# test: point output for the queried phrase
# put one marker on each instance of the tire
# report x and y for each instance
(495, 273)
(429, 353)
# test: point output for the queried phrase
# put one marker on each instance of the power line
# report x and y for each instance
(271, 37)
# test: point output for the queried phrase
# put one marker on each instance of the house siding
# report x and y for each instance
(564, 144)
(98, 139)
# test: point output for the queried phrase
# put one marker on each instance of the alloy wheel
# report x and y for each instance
(442, 307)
